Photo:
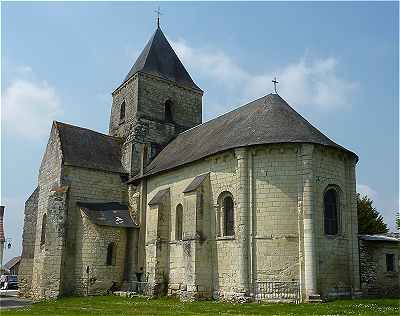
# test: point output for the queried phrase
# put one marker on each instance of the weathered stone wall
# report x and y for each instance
(128, 93)
(92, 253)
(87, 185)
(28, 243)
(337, 261)
(50, 173)
(157, 246)
(154, 92)
(222, 178)
(55, 243)
(144, 123)
(375, 279)
(275, 220)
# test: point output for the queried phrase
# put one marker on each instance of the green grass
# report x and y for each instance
(112, 305)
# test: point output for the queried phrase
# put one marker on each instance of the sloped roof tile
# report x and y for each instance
(108, 214)
(158, 58)
(267, 120)
(85, 148)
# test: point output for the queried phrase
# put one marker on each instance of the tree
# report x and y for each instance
(369, 220)
(398, 221)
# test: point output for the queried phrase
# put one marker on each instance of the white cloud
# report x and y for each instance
(307, 82)
(29, 106)
(364, 189)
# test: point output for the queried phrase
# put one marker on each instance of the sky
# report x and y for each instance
(336, 63)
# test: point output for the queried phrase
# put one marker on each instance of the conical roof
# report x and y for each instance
(159, 59)
(267, 120)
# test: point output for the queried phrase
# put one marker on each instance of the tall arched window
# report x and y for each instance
(229, 221)
(110, 254)
(43, 234)
(331, 212)
(178, 223)
(122, 112)
(168, 111)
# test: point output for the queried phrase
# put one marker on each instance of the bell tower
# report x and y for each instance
(156, 101)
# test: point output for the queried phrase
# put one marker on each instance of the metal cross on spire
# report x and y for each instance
(275, 82)
(158, 16)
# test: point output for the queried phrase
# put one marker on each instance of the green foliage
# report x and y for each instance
(369, 220)
(398, 221)
(113, 305)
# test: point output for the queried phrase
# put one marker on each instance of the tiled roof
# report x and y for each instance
(268, 120)
(82, 147)
(159, 59)
(108, 214)
(12, 262)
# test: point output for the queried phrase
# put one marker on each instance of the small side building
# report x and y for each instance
(379, 265)
(12, 266)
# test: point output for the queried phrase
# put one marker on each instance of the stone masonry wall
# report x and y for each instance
(276, 194)
(128, 93)
(49, 178)
(28, 243)
(334, 253)
(222, 170)
(276, 221)
(154, 92)
(144, 123)
(375, 279)
(93, 254)
(55, 243)
(87, 185)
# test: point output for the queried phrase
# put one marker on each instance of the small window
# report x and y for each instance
(331, 212)
(229, 222)
(168, 111)
(179, 217)
(122, 112)
(110, 254)
(43, 234)
(390, 262)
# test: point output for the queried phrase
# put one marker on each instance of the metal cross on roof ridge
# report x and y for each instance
(158, 16)
(275, 82)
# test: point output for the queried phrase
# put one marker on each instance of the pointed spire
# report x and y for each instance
(159, 59)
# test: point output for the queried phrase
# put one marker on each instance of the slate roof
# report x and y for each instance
(82, 147)
(158, 197)
(159, 59)
(12, 262)
(196, 182)
(267, 120)
(108, 214)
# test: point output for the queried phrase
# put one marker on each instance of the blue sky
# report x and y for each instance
(337, 64)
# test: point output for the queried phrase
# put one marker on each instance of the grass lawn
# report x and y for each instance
(113, 305)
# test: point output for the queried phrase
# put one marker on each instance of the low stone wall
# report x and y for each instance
(376, 281)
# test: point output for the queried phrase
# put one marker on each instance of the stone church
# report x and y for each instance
(215, 209)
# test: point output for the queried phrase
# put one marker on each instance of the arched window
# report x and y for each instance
(178, 222)
(229, 222)
(110, 254)
(331, 212)
(122, 112)
(168, 111)
(44, 225)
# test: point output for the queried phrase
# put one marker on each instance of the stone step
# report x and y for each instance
(314, 298)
